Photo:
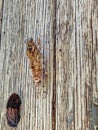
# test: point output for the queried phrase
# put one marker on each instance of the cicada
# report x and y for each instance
(35, 57)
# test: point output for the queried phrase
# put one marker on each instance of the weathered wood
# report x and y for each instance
(77, 48)
(1, 11)
(69, 101)
(22, 20)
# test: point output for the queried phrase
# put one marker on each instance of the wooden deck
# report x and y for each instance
(69, 100)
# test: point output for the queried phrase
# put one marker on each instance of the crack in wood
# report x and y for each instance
(1, 17)
(54, 71)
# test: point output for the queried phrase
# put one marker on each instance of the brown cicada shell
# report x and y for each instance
(35, 57)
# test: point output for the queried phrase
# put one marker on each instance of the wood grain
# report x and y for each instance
(1, 14)
(22, 20)
(76, 64)
(69, 100)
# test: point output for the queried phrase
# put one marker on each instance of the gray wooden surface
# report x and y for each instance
(69, 100)
(1, 14)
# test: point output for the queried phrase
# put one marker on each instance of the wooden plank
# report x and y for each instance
(69, 100)
(22, 20)
(77, 43)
